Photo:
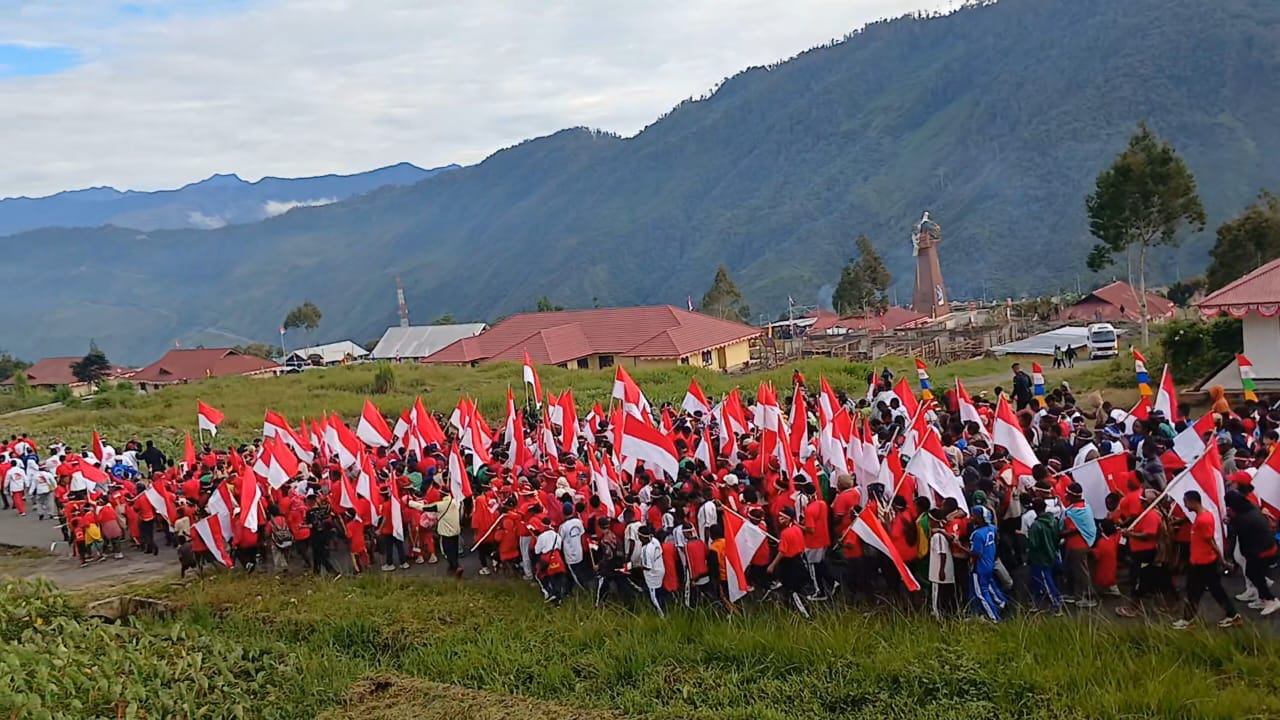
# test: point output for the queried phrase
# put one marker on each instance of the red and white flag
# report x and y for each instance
(211, 532)
(208, 418)
(741, 540)
(969, 411)
(1167, 397)
(695, 401)
(833, 440)
(222, 505)
(906, 397)
(99, 452)
(262, 463)
(641, 441)
(397, 513)
(459, 481)
(930, 466)
(633, 400)
(600, 485)
(1007, 432)
(163, 504)
(1190, 444)
(367, 488)
(1205, 477)
(274, 425)
(1266, 482)
(531, 378)
(188, 451)
(250, 499)
(568, 423)
(283, 465)
(345, 443)
(1099, 478)
(373, 430)
(828, 403)
(868, 529)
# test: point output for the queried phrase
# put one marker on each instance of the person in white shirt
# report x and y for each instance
(653, 567)
(942, 573)
(571, 541)
(41, 485)
(551, 579)
(15, 481)
(708, 515)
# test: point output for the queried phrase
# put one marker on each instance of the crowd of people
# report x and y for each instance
(761, 490)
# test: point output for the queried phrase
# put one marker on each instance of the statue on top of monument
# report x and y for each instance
(927, 233)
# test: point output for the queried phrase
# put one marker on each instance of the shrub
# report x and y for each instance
(384, 379)
(1194, 348)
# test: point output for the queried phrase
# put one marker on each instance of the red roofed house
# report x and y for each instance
(1255, 299)
(893, 318)
(183, 366)
(55, 371)
(604, 337)
(1117, 301)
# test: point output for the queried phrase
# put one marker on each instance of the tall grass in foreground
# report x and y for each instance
(766, 663)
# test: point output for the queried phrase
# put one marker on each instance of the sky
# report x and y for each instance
(154, 94)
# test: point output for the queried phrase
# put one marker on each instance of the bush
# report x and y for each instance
(63, 394)
(384, 379)
(1194, 348)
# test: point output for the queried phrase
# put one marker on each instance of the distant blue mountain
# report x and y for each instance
(215, 202)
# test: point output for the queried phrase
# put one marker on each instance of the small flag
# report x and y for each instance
(1037, 382)
(188, 453)
(690, 298)
(531, 378)
(208, 417)
(1247, 377)
(1140, 369)
(926, 391)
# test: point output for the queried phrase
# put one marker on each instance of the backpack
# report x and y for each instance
(281, 536)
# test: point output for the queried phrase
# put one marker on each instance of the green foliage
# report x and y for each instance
(63, 394)
(864, 282)
(1246, 242)
(93, 367)
(1194, 348)
(724, 300)
(445, 319)
(10, 366)
(266, 351)
(21, 386)
(306, 316)
(1141, 202)
(384, 379)
(1181, 292)
(545, 305)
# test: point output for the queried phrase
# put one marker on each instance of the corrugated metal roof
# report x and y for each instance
(334, 352)
(422, 340)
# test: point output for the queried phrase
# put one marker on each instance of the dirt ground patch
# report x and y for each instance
(393, 697)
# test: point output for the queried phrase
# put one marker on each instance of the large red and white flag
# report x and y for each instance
(1167, 397)
(867, 462)
(222, 505)
(568, 423)
(1266, 482)
(833, 439)
(99, 452)
(916, 431)
(211, 532)
(459, 481)
(930, 466)
(283, 465)
(250, 499)
(695, 401)
(741, 540)
(799, 431)
(600, 484)
(400, 431)
(367, 488)
(1204, 476)
(1007, 432)
(163, 504)
(531, 379)
(633, 400)
(703, 451)
(208, 418)
(640, 441)
(1099, 478)
(893, 476)
(348, 446)
(906, 397)
(373, 430)
(969, 411)
(869, 530)
(1190, 444)
(828, 403)
(262, 463)
(274, 425)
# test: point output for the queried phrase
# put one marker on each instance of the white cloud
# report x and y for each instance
(206, 222)
(277, 207)
(308, 87)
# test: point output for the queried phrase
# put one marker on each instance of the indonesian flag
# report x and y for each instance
(906, 397)
(733, 416)
(828, 403)
(568, 423)
(1140, 370)
(347, 494)
(283, 465)
(531, 378)
(640, 441)
(320, 435)
(400, 433)
(188, 451)
(916, 431)
(969, 411)
(88, 478)
(99, 453)
(397, 514)
(926, 390)
(1205, 477)
(833, 438)
(274, 425)
(208, 417)
(367, 488)
(424, 423)
(626, 390)
(930, 466)
(1167, 396)
(212, 533)
(867, 465)
(514, 433)
(1247, 377)
(1007, 432)
(348, 446)
(1190, 444)
(703, 450)
(767, 414)
(868, 529)
(1037, 382)
(600, 484)
(694, 400)
(250, 499)
(262, 463)
(799, 434)
(1098, 478)
(373, 430)
(741, 540)
(554, 413)
(479, 452)
(162, 503)
(221, 505)
(894, 477)
(459, 482)
(1266, 482)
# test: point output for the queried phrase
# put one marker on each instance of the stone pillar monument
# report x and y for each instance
(930, 294)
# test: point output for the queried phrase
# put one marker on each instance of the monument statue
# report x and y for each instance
(930, 293)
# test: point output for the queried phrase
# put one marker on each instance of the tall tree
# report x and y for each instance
(545, 305)
(724, 300)
(1139, 203)
(1246, 243)
(306, 316)
(10, 366)
(445, 319)
(864, 282)
(93, 367)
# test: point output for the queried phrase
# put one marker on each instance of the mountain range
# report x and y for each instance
(997, 118)
(212, 203)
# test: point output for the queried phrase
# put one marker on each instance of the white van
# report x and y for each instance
(1102, 341)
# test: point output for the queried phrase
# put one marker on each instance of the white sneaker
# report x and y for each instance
(404, 566)
(1183, 625)
(1248, 595)
(1271, 606)
(1257, 605)
(484, 571)
(388, 568)
(1086, 604)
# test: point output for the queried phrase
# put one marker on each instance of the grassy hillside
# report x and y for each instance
(166, 414)
(296, 647)
(996, 118)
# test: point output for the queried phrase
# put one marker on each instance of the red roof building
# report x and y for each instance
(893, 318)
(603, 337)
(182, 366)
(1255, 300)
(1115, 302)
(1258, 292)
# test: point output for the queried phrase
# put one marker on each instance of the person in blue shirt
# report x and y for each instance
(987, 597)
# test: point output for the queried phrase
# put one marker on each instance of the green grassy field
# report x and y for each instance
(296, 647)
(165, 415)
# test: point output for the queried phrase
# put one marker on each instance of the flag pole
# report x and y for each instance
(486, 533)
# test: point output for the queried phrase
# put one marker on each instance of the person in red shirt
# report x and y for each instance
(1076, 548)
(817, 538)
(1142, 555)
(788, 563)
(1106, 551)
(355, 539)
(845, 509)
(1203, 571)
(146, 524)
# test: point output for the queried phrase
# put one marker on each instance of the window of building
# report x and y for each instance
(706, 358)
(606, 361)
(583, 363)
(684, 360)
(563, 366)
